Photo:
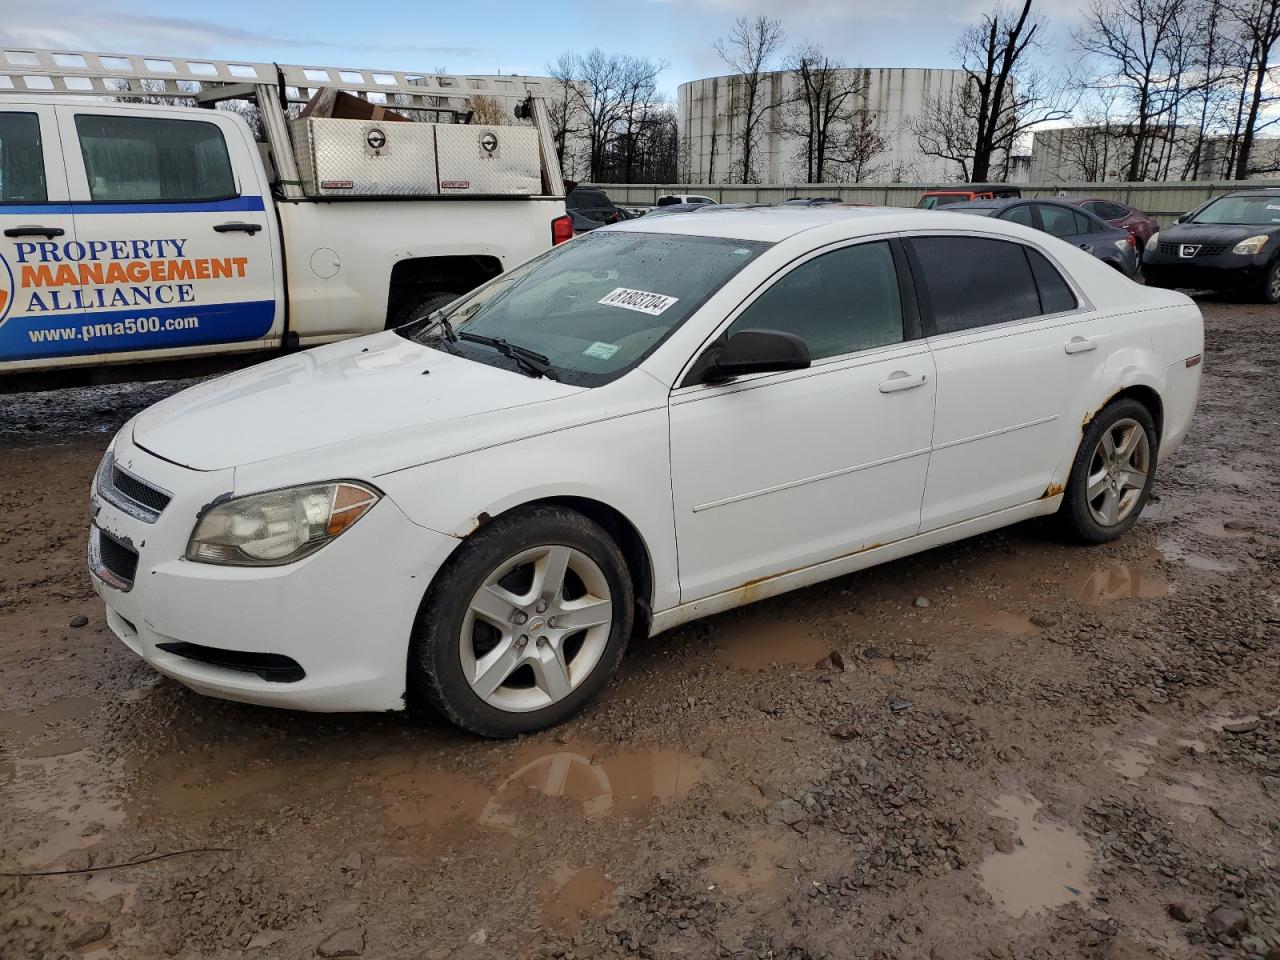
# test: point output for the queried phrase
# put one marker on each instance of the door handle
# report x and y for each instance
(249, 228)
(1080, 345)
(901, 380)
(34, 230)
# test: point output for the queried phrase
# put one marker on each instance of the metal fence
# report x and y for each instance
(1156, 199)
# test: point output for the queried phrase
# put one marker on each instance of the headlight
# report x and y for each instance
(1153, 241)
(280, 526)
(1251, 246)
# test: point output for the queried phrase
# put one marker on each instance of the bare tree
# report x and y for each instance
(1258, 22)
(488, 110)
(747, 50)
(860, 146)
(823, 103)
(944, 127)
(601, 93)
(1004, 95)
(1141, 46)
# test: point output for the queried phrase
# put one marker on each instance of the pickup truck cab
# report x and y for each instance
(148, 232)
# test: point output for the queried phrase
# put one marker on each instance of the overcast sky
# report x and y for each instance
(487, 36)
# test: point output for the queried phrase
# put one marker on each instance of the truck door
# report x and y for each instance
(177, 246)
(38, 319)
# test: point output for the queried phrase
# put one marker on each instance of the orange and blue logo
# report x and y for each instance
(6, 289)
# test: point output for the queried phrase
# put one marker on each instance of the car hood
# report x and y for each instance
(1213, 232)
(334, 394)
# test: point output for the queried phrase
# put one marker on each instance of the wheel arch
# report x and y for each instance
(1145, 394)
(624, 533)
(416, 277)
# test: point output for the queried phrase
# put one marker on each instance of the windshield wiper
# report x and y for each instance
(528, 360)
(438, 319)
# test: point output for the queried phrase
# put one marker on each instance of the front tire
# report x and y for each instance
(526, 623)
(1269, 292)
(1112, 474)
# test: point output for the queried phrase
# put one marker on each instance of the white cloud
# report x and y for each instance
(79, 25)
(846, 10)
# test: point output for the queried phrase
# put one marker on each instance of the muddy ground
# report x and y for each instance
(1021, 750)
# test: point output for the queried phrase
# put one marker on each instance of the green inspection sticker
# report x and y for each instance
(601, 351)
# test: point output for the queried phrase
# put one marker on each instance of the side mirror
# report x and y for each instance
(1181, 219)
(753, 351)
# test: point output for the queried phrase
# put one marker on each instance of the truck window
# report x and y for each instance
(154, 158)
(21, 159)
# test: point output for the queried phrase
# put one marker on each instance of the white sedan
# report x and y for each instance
(657, 422)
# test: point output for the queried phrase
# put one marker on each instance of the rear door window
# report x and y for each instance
(1018, 214)
(144, 159)
(1060, 221)
(974, 281)
(21, 159)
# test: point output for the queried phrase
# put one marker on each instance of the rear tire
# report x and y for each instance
(415, 308)
(1270, 289)
(1112, 474)
(526, 623)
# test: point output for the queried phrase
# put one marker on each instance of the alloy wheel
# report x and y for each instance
(1118, 472)
(536, 628)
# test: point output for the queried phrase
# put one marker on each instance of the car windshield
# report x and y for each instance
(944, 199)
(1259, 210)
(594, 307)
(976, 211)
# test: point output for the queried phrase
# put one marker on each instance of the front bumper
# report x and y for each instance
(1224, 271)
(344, 614)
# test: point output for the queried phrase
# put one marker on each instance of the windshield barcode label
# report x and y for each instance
(639, 300)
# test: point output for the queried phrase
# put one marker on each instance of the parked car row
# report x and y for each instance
(1113, 246)
(1230, 243)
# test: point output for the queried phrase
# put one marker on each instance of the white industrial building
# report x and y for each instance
(711, 116)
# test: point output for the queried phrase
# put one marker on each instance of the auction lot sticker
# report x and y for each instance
(639, 300)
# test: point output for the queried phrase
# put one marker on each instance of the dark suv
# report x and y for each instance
(1229, 243)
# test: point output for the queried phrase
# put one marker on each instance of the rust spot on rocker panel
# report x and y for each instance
(750, 592)
(1052, 490)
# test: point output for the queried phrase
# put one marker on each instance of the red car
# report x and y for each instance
(1118, 214)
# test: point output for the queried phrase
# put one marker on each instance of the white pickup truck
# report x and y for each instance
(141, 232)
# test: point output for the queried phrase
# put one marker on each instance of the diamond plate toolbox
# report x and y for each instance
(365, 158)
(488, 160)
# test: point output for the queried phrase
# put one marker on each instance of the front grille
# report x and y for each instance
(1169, 248)
(131, 494)
(112, 560)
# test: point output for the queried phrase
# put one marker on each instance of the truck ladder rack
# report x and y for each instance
(274, 87)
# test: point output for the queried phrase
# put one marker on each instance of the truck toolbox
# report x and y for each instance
(488, 160)
(365, 158)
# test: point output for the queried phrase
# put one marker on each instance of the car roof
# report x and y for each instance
(772, 224)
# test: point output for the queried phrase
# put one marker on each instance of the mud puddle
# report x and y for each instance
(1196, 561)
(1124, 580)
(630, 783)
(755, 642)
(575, 894)
(1049, 867)
(1080, 575)
(51, 730)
